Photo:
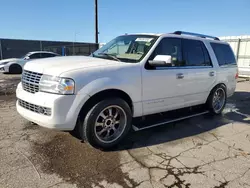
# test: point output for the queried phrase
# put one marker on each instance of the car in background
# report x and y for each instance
(15, 65)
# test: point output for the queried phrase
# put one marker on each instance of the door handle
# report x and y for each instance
(179, 76)
(211, 74)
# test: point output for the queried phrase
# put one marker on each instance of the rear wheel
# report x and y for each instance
(217, 99)
(107, 123)
(15, 69)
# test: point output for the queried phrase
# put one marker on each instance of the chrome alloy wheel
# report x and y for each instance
(110, 124)
(219, 99)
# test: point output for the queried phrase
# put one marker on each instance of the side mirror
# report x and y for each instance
(161, 61)
(27, 58)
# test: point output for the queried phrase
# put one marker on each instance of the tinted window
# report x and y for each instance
(45, 55)
(194, 53)
(224, 54)
(172, 47)
(35, 56)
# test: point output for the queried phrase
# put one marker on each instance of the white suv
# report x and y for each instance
(132, 76)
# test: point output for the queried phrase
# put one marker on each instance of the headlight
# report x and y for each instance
(52, 84)
(4, 63)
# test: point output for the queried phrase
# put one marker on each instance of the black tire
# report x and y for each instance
(210, 102)
(88, 127)
(15, 69)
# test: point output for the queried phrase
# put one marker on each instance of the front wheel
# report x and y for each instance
(15, 69)
(217, 100)
(107, 123)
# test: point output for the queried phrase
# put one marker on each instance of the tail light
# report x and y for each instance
(237, 75)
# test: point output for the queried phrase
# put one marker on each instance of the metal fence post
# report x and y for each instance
(41, 46)
(238, 50)
(63, 51)
(1, 52)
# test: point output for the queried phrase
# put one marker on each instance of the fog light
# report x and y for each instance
(41, 110)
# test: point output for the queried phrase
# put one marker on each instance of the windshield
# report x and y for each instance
(25, 55)
(127, 48)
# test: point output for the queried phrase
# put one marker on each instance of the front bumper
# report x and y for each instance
(2, 68)
(64, 108)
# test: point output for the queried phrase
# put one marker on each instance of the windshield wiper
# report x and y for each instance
(110, 55)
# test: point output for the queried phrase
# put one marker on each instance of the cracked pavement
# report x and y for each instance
(204, 151)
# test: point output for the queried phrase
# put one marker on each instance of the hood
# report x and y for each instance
(8, 60)
(58, 65)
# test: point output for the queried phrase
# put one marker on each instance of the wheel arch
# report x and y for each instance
(219, 84)
(14, 64)
(105, 94)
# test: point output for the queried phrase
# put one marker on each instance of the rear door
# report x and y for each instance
(201, 73)
(228, 71)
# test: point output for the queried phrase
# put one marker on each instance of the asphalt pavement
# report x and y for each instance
(205, 151)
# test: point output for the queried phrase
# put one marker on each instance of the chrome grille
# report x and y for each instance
(30, 81)
(35, 108)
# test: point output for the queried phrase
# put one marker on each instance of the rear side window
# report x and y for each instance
(195, 53)
(45, 55)
(35, 56)
(224, 54)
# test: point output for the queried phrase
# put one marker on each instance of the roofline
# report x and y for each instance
(193, 37)
(42, 52)
(181, 34)
(149, 34)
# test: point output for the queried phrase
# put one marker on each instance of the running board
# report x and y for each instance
(136, 128)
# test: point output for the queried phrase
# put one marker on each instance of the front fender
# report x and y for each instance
(22, 62)
(7, 66)
(105, 83)
(133, 90)
(12, 63)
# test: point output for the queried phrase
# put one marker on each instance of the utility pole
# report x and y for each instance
(74, 43)
(1, 51)
(96, 22)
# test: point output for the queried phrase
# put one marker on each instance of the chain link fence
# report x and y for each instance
(73, 49)
(12, 48)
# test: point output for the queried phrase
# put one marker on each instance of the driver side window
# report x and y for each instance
(35, 56)
(172, 47)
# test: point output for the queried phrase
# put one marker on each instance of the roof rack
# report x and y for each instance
(195, 34)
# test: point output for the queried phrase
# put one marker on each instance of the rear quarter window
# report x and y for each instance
(224, 54)
(46, 55)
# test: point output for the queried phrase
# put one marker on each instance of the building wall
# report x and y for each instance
(12, 48)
